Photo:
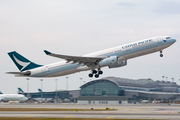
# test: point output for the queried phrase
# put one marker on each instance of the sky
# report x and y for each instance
(78, 27)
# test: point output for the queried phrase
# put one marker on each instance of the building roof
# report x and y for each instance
(145, 83)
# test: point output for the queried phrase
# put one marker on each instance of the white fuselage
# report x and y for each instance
(123, 52)
(12, 97)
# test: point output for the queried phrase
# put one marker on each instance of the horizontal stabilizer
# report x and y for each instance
(27, 73)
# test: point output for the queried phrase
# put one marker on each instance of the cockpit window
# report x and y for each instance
(168, 38)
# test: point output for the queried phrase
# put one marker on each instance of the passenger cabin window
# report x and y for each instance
(168, 38)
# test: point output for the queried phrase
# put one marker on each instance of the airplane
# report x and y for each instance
(112, 58)
(12, 97)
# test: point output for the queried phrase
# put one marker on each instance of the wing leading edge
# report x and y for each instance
(76, 59)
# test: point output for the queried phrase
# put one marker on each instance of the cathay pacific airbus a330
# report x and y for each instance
(112, 58)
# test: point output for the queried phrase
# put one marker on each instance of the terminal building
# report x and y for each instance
(129, 89)
(115, 90)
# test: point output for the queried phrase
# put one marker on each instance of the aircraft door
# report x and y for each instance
(159, 41)
(45, 69)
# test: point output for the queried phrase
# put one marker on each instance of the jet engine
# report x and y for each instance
(119, 64)
(113, 62)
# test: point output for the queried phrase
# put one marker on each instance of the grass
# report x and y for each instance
(50, 109)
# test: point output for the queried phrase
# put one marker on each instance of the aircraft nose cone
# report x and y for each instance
(173, 40)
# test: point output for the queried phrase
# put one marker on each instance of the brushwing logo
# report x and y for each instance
(23, 64)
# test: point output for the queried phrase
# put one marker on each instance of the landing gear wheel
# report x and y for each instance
(90, 75)
(94, 71)
(97, 75)
(161, 55)
(100, 72)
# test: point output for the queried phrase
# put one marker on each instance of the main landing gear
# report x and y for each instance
(161, 55)
(97, 73)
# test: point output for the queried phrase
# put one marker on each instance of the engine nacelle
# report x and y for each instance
(109, 61)
(113, 62)
(119, 64)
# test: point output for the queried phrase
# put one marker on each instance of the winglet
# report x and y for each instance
(47, 52)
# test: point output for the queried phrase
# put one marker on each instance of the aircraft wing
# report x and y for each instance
(76, 59)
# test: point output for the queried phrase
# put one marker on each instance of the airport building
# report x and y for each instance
(129, 90)
(58, 96)
(113, 91)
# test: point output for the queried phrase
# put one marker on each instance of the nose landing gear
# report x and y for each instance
(161, 55)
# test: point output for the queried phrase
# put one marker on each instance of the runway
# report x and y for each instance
(49, 114)
(126, 112)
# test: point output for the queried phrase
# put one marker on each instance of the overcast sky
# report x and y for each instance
(78, 27)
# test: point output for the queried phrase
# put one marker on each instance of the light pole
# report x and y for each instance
(173, 89)
(67, 83)
(161, 88)
(27, 87)
(56, 90)
(80, 81)
(149, 96)
(41, 89)
(179, 84)
(163, 77)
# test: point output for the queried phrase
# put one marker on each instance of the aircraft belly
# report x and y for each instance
(58, 71)
(62, 73)
(70, 69)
